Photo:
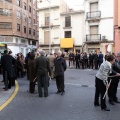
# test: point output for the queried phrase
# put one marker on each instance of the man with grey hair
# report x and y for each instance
(42, 69)
(60, 67)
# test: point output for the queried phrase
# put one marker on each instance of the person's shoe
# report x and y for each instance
(58, 92)
(62, 93)
(96, 104)
(112, 103)
(40, 95)
(116, 101)
(105, 109)
(45, 95)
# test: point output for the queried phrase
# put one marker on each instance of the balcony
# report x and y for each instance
(48, 25)
(95, 15)
(9, 1)
(93, 38)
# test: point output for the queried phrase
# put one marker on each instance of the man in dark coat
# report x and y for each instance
(60, 67)
(100, 57)
(96, 60)
(32, 73)
(112, 91)
(91, 58)
(77, 59)
(7, 62)
(71, 58)
(42, 66)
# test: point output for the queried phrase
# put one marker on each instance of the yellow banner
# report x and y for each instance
(66, 42)
(2, 44)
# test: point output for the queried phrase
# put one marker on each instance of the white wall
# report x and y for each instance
(77, 30)
(106, 8)
(14, 49)
(106, 28)
(54, 31)
(106, 21)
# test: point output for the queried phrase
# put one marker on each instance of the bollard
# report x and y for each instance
(6, 81)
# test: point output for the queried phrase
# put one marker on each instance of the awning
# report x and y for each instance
(66, 43)
(2, 44)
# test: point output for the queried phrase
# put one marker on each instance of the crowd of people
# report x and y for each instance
(37, 67)
(40, 68)
(84, 60)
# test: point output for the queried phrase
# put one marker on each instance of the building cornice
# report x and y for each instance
(51, 26)
(72, 12)
(106, 18)
(46, 45)
(47, 8)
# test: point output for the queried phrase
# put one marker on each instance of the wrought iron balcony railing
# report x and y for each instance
(93, 37)
(93, 15)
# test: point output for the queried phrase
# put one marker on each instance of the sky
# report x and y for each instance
(75, 4)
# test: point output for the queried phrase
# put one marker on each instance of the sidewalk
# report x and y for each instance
(4, 95)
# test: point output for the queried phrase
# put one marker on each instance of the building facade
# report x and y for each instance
(18, 25)
(117, 26)
(49, 24)
(98, 25)
(72, 31)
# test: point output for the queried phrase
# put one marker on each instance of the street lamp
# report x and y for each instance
(49, 25)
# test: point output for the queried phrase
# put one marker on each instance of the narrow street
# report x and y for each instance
(76, 104)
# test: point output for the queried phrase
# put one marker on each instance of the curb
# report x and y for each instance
(11, 97)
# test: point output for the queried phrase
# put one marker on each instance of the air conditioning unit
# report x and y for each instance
(104, 38)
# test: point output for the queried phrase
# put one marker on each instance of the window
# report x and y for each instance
(16, 40)
(23, 41)
(24, 29)
(34, 1)
(68, 21)
(94, 6)
(18, 27)
(46, 37)
(33, 21)
(9, 1)
(47, 19)
(33, 11)
(94, 29)
(5, 12)
(33, 42)
(37, 33)
(18, 2)
(25, 7)
(30, 9)
(22, 50)
(6, 25)
(29, 19)
(29, 30)
(24, 17)
(67, 34)
(33, 32)
(18, 14)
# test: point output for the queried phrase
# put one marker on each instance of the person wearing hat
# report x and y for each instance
(112, 91)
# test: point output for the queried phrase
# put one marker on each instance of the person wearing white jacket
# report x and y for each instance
(101, 81)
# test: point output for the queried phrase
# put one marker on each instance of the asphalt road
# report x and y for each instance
(76, 104)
